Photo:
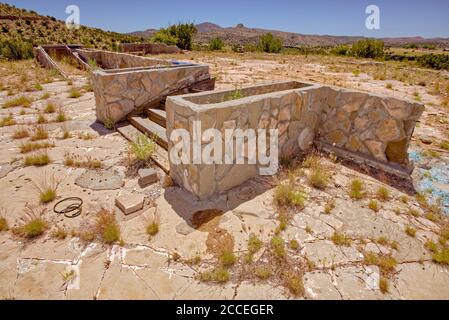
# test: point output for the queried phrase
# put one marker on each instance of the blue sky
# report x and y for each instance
(398, 18)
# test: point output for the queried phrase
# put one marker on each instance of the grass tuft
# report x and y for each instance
(20, 101)
(383, 194)
(287, 195)
(21, 133)
(218, 275)
(374, 205)
(40, 159)
(143, 148)
(340, 239)
(357, 188)
(410, 231)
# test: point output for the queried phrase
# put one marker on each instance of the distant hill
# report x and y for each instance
(37, 29)
(241, 34)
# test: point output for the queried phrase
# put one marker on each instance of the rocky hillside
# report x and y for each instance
(241, 34)
(37, 29)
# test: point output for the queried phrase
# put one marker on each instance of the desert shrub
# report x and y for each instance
(434, 61)
(180, 34)
(340, 50)
(216, 44)
(269, 43)
(368, 48)
(15, 49)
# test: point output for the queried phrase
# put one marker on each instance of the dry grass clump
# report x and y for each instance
(293, 244)
(410, 231)
(441, 256)
(330, 205)
(3, 224)
(47, 188)
(76, 161)
(7, 121)
(312, 161)
(384, 285)
(17, 102)
(59, 233)
(103, 228)
(286, 194)
(319, 178)
(21, 133)
(356, 192)
(41, 119)
(227, 258)
(374, 205)
(33, 146)
(40, 133)
(385, 262)
(263, 273)
(278, 247)
(50, 108)
(34, 225)
(294, 283)
(340, 239)
(75, 93)
(153, 225)
(61, 116)
(107, 227)
(217, 275)
(38, 159)
(143, 148)
(383, 194)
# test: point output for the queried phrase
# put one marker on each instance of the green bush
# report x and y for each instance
(15, 49)
(434, 61)
(269, 43)
(340, 50)
(368, 48)
(216, 44)
(180, 34)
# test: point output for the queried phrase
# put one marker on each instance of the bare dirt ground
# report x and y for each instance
(343, 248)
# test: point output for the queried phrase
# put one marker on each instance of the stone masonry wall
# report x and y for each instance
(373, 126)
(120, 92)
(116, 60)
(149, 48)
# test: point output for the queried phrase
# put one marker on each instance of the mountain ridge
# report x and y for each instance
(240, 34)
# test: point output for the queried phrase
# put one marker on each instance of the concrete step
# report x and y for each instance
(157, 115)
(151, 129)
(160, 156)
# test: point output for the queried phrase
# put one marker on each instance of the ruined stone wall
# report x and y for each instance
(372, 126)
(149, 48)
(120, 92)
(44, 59)
(115, 60)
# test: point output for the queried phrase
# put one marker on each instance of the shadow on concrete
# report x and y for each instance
(100, 128)
(187, 205)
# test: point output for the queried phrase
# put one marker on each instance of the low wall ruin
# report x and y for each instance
(361, 125)
(119, 92)
(149, 48)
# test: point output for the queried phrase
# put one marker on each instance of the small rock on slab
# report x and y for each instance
(129, 202)
(147, 176)
(100, 180)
